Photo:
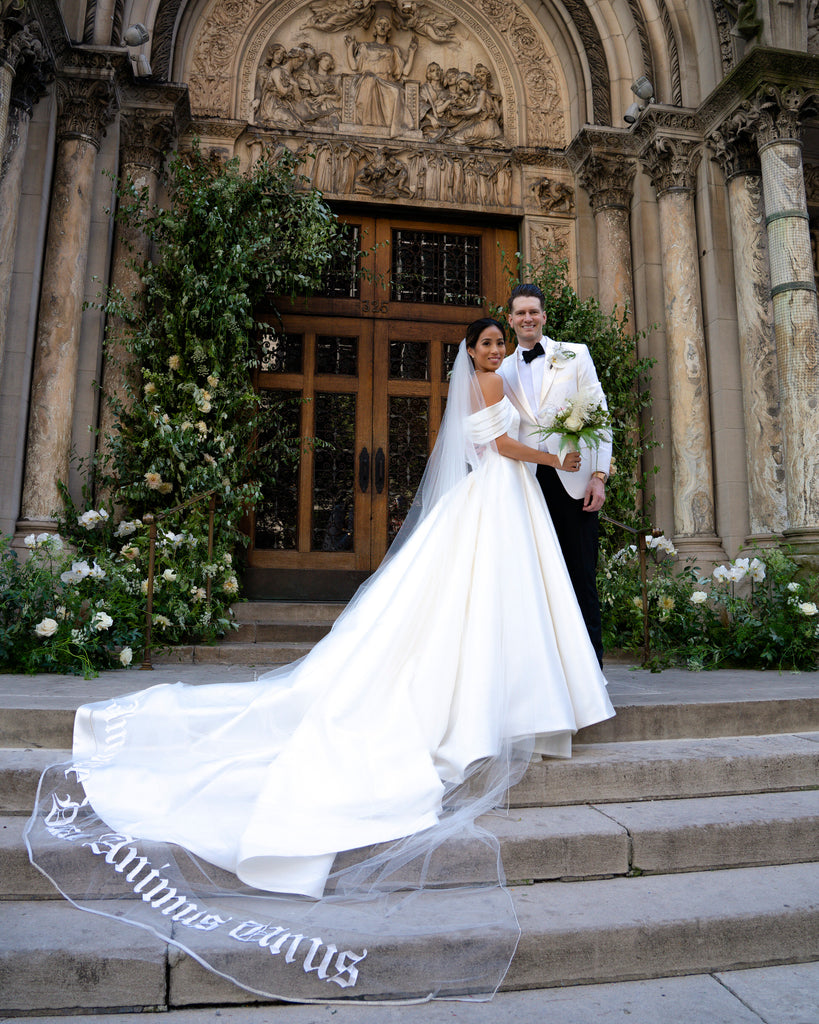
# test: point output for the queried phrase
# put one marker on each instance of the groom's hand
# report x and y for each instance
(595, 495)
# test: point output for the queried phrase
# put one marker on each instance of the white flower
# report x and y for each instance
(793, 587)
(228, 558)
(31, 541)
(666, 602)
(660, 543)
(78, 636)
(97, 572)
(637, 602)
(198, 593)
(46, 627)
(624, 554)
(100, 621)
(720, 573)
(169, 575)
(130, 552)
(736, 573)
(699, 597)
(60, 611)
(78, 571)
(807, 608)
(162, 621)
(127, 527)
(757, 570)
(213, 381)
(173, 362)
(153, 480)
(560, 356)
(205, 406)
(173, 539)
(743, 563)
(126, 656)
(150, 388)
(231, 585)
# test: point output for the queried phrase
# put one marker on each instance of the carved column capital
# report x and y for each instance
(609, 181)
(672, 163)
(775, 112)
(144, 137)
(86, 106)
(670, 141)
(20, 39)
(734, 148)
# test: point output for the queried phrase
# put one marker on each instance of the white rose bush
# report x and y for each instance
(758, 612)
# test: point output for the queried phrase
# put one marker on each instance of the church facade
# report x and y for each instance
(668, 150)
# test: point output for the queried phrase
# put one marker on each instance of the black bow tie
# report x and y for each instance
(533, 353)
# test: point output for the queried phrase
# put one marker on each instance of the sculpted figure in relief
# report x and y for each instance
(381, 67)
(332, 16)
(554, 196)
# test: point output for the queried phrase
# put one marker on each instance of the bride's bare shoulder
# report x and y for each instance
(491, 387)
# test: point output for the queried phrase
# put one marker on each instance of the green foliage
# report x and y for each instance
(753, 613)
(187, 424)
(623, 376)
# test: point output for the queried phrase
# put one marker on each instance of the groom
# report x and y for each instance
(538, 378)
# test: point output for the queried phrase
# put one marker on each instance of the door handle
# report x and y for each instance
(380, 470)
(363, 469)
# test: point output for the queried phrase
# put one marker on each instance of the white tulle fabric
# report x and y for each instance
(312, 834)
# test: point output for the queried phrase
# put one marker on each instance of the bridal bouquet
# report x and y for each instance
(583, 417)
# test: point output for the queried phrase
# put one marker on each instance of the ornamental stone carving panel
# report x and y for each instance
(394, 70)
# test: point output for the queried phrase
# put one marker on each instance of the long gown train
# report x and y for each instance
(311, 834)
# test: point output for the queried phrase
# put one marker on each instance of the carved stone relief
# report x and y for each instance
(553, 195)
(393, 70)
(553, 237)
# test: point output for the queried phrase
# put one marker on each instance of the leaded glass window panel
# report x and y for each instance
(281, 353)
(337, 355)
(334, 473)
(409, 360)
(435, 266)
(449, 354)
(409, 433)
(277, 511)
(343, 279)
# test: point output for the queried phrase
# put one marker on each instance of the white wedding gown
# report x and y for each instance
(465, 643)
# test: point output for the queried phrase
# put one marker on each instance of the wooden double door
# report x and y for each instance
(361, 374)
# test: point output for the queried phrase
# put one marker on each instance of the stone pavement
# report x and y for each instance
(768, 995)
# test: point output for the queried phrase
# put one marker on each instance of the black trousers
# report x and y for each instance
(578, 534)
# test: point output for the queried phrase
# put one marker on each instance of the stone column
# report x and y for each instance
(764, 449)
(671, 158)
(85, 106)
(29, 86)
(775, 112)
(144, 138)
(603, 161)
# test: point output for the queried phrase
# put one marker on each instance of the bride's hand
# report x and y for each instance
(571, 463)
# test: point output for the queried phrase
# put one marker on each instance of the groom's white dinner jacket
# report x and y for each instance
(563, 376)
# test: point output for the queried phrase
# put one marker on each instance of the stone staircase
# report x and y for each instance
(681, 838)
(269, 633)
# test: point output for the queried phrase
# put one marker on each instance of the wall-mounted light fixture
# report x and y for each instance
(135, 35)
(644, 90)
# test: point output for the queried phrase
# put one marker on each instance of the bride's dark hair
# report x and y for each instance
(473, 332)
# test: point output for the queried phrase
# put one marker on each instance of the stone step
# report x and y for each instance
(605, 772)
(234, 652)
(288, 612)
(46, 720)
(56, 958)
(572, 843)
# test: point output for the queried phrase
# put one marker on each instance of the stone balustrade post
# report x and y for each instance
(736, 152)
(775, 113)
(85, 107)
(604, 162)
(671, 152)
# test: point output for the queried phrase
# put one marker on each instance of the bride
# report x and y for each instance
(311, 835)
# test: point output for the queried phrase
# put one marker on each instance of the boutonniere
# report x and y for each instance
(560, 356)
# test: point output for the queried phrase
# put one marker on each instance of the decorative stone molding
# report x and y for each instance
(609, 181)
(812, 184)
(554, 196)
(86, 106)
(596, 55)
(20, 41)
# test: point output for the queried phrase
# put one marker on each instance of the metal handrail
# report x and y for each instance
(642, 553)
